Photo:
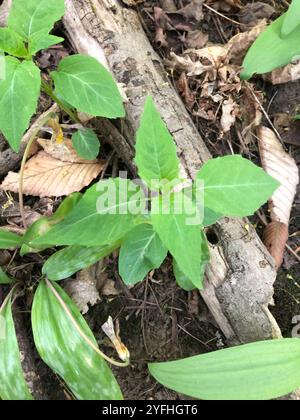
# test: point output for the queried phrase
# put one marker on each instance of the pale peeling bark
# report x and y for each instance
(240, 278)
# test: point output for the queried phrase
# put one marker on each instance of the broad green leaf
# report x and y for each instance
(178, 233)
(105, 214)
(9, 240)
(44, 224)
(65, 207)
(141, 252)
(19, 94)
(67, 261)
(210, 217)
(37, 229)
(156, 156)
(88, 86)
(42, 42)
(12, 382)
(258, 371)
(12, 43)
(31, 17)
(270, 51)
(65, 351)
(4, 279)
(234, 186)
(182, 280)
(292, 18)
(86, 143)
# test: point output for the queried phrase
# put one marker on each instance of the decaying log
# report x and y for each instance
(4, 11)
(239, 280)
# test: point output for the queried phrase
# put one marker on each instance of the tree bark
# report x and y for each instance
(239, 280)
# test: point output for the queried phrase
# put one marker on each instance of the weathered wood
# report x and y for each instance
(4, 11)
(239, 280)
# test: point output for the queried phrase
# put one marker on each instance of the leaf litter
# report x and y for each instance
(55, 171)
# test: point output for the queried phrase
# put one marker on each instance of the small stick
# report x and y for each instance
(265, 113)
(223, 16)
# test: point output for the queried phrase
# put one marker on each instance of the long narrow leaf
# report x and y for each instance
(12, 383)
(258, 371)
(68, 261)
(63, 348)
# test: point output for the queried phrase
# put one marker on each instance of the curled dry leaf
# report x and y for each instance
(289, 73)
(275, 237)
(45, 176)
(229, 113)
(185, 91)
(238, 45)
(64, 151)
(83, 290)
(252, 12)
(281, 166)
(250, 112)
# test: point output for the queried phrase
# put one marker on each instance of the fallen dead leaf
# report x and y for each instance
(289, 73)
(194, 39)
(250, 113)
(229, 113)
(83, 290)
(252, 12)
(281, 166)
(184, 90)
(45, 176)
(275, 237)
(292, 134)
(238, 45)
(64, 151)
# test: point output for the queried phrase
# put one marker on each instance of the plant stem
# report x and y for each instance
(79, 330)
(49, 91)
(24, 159)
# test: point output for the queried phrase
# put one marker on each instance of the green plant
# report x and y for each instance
(117, 213)
(277, 46)
(80, 82)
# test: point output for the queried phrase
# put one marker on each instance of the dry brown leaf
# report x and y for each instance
(64, 151)
(193, 10)
(281, 166)
(184, 90)
(238, 45)
(250, 113)
(289, 73)
(234, 3)
(275, 237)
(83, 290)
(229, 113)
(109, 289)
(195, 39)
(292, 135)
(252, 12)
(45, 176)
